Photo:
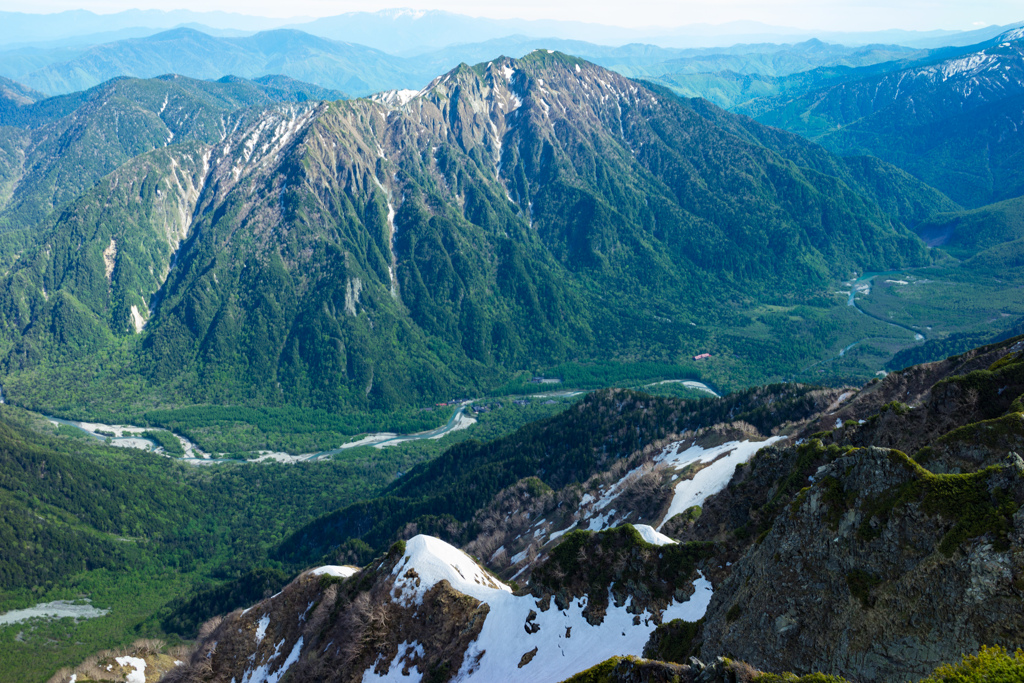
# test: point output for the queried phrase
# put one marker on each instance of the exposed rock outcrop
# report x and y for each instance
(879, 571)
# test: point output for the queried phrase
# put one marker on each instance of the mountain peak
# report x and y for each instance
(428, 561)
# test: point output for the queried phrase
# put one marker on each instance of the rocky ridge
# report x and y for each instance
(822, 553)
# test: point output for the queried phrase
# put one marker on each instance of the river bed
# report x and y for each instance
(130, 436)
(58, 609)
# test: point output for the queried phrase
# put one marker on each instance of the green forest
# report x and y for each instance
(162, 544)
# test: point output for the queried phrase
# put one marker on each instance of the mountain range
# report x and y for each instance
(406, 31)
(351, 68)
(399, 359)
(836, 506)
(950, 122)
(363, 70)
(373, 255)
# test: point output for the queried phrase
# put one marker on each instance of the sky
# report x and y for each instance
(840, 15)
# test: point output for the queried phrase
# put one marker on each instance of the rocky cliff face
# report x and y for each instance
(878, 571)
(873, 564)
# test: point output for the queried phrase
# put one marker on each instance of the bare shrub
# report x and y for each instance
(743, 672)
(62, 676)
(323, 610)
(647, 495)
(147, 646)
(209, 627)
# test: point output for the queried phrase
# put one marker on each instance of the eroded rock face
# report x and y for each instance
(864, 576)
(329, 627)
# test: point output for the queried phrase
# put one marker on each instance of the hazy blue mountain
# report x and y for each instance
(77, 43)
(752, 89)
(964, 38)
(954, 123)
(406, 32)
(779, 60)
(22, 28)
(668, 65)
(351, 68)
(361, 71)
(18, 63)
(17, 94)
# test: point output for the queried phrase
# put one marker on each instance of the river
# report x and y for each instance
(130, 436)
(852, 301)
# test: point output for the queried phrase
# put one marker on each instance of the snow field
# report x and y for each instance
(712, 478)
(652, 536)
(263, 673)
(394, 675)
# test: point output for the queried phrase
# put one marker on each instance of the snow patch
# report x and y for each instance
(262, 674)
(565, 643)
(967, 64)
(558, 534)
(653, 537)
(712, 478)
(395, 98)
(343, 571)
(602, 522)
(261, 628)
(406, 651)
(138, 675)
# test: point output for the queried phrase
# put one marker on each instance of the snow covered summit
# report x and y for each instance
(428, 561)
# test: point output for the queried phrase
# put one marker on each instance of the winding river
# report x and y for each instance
(130, 436)
(852, 301)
